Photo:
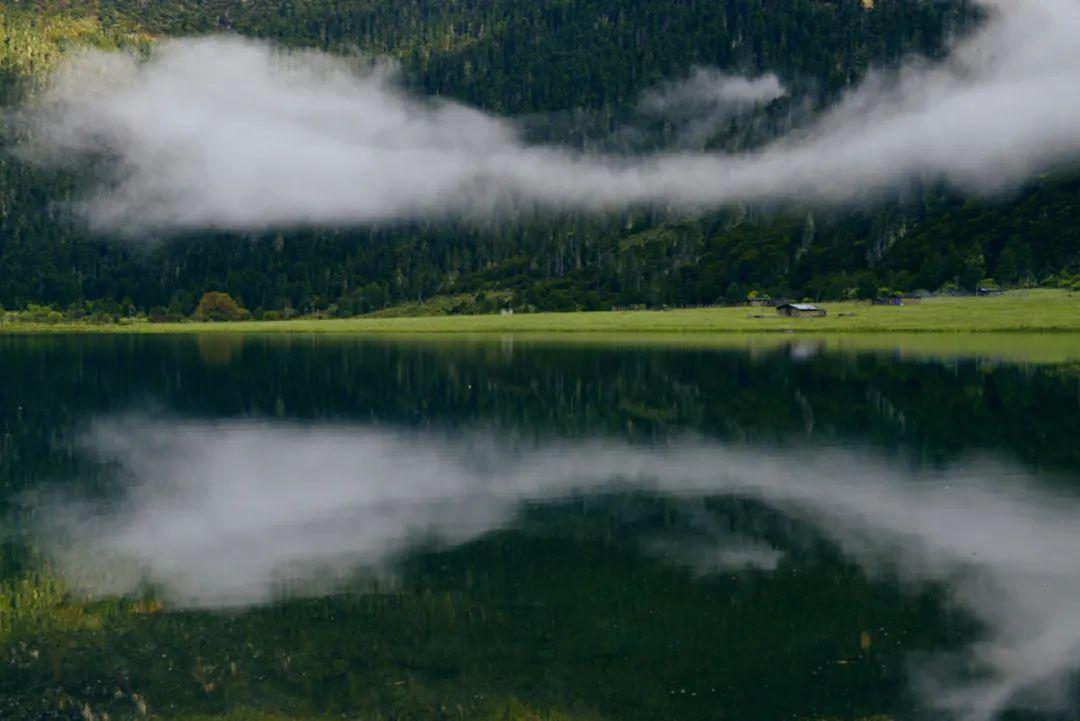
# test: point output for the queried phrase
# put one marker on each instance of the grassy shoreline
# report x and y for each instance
(1035, 311)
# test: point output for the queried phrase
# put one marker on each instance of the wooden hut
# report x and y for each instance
(800, 310)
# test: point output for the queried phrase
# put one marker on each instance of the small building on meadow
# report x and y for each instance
(800, 310)
(888, 300)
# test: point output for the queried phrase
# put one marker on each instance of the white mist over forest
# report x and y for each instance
(230, 133)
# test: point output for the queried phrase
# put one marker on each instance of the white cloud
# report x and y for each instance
(223, 132)
(710, 89)
(698, 106)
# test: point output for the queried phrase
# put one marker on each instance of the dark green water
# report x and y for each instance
(309, 528)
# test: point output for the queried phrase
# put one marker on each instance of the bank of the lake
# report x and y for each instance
(1020, 311)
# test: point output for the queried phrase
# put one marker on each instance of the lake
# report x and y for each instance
(271, 528)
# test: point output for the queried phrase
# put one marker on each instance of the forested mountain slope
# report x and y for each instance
(570, 72)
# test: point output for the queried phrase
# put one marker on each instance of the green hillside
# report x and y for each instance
(571, 71)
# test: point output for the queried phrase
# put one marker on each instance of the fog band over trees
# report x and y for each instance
(230, 133)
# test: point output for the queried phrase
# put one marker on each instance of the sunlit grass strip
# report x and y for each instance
(1025, 311)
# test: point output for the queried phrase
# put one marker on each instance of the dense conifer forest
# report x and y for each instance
(569, 72)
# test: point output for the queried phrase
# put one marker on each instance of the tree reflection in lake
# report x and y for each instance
(614, 532)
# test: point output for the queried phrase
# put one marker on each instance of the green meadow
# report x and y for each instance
(1019, 311)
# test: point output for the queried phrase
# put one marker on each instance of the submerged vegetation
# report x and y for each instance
(35, 608)
(453, 644)
(512, 710)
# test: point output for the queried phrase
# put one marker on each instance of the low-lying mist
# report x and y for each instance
(230, 133)
(236, 513)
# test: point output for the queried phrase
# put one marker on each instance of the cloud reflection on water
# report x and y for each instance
(230, 514)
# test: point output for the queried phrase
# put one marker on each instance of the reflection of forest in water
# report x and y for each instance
(931, 411)
(648, 602)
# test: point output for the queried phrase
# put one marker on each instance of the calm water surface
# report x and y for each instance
(318, 528)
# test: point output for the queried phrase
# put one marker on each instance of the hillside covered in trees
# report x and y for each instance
(569, 72)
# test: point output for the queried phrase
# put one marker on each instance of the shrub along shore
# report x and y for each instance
(1018, 311)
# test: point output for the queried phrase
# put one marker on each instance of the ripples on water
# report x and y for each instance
(434, 530)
